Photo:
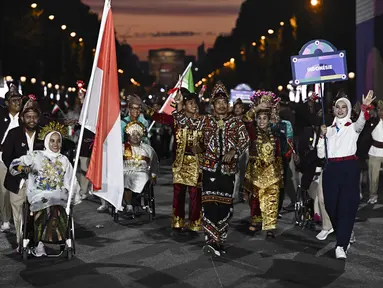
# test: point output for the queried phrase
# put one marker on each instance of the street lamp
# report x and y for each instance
(232, 60)
(33, 80)
(23, 79)
(73, 34)
(33, 5)
(51, 17)
(254, 43)
(120, 71)
(80, 40)
(351, 75)
(63, 27)
(8, 78)
(314, 2)
(42, 83)
(263, 37)
(280, 88)
(49, 85)
(282, 23)
(270, 31)
(57, 86)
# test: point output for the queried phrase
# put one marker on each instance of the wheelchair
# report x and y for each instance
(67, 246)
(144, 200)
(304, 209)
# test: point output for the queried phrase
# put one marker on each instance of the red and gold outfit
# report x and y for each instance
(186, 170)
(264, 172)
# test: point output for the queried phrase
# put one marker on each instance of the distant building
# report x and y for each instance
(166, 65)
(201, 53)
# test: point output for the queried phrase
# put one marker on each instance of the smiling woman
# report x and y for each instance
(202, 20)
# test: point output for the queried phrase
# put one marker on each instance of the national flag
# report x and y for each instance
(102, 117)
(185, 81)
(66, 104)
(55, 108)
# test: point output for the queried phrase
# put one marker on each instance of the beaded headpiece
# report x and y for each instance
(135, 126)
(219, 92)
(267, 97)
(31, 105)
(238, 102)
(52, 127)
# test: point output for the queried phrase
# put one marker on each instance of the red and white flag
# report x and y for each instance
(55, 109)
(102, 117)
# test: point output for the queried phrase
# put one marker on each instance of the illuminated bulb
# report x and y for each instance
(150, 96)
(43, 83)
(73, 34)
(232, 60)
(49, 85)
(254, 44)
(51, 17)
(314, 2)
(80, 40)
(23, 78)
(33, 80)
(57, 86)
(8, 78)
(280, 88)
(270, 31)
(282, 23)
(351, 75)
(263, 37)
(33, 5)
(63, 27)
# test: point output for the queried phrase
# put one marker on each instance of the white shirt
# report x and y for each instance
(14, 122)
(30, 141)
(377, 135)
(342, 143)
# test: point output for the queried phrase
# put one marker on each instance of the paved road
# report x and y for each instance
(140, 254)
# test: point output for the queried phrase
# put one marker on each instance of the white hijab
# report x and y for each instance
(341, 121)
(48, 152)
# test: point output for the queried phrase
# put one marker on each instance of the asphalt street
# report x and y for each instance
(142, 254)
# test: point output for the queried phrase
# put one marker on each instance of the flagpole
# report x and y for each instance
(169, 98)
(107, 6)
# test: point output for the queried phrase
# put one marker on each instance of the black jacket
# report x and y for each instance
(4, 121)
(15, 146)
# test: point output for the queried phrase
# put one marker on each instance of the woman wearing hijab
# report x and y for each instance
(49, 177)
(341, 175)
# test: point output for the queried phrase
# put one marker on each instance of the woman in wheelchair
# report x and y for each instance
(49, 176)
(140, 165)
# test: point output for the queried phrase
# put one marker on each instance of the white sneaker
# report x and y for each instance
(324, 233)
(339, 253)
(352, 238)
(102, 208)
(373, 200)
(40, 250)
(5, 227)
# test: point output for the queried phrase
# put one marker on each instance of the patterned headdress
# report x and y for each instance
(267, 97)
(187, 95)
(52, 127)
(135, 126)
(238, 101)
(31, 105)
(219, 92)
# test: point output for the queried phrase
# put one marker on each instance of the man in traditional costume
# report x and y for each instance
(140, 164)
(225, 139)
(264, 170)
(185, 122)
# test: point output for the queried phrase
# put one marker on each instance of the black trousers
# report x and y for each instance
(217, 205)
(341, 197)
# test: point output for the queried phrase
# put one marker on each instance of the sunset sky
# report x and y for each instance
(179, 24)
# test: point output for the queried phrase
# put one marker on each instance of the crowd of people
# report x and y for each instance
(258, 154)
